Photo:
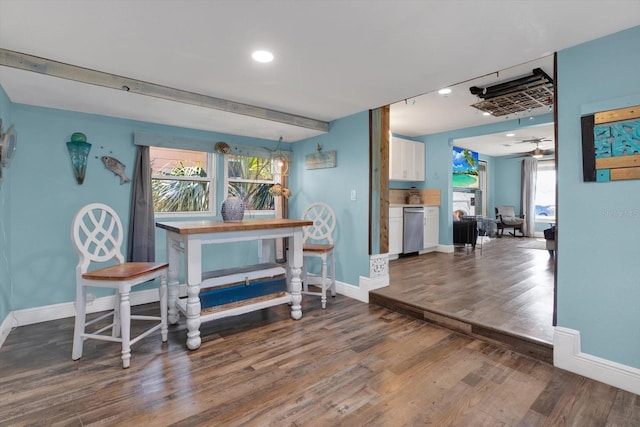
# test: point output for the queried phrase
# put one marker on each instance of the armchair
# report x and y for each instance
(506, 218)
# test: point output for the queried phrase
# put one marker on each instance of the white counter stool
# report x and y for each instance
(317, 241)
(97, 236)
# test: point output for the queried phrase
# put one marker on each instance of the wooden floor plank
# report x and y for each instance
(504, 293)
(352, 364)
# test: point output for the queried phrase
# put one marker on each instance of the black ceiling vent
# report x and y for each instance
(521, 94)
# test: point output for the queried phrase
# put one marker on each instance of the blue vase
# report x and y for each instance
(232, 210)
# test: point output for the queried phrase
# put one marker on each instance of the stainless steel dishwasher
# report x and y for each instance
(413, 230)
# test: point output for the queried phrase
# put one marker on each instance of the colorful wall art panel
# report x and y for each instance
(611, 145)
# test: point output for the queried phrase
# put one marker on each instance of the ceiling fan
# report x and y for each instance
(537, 152)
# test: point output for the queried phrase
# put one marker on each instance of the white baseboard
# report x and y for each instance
(447, 249)
(351, 291)
(28, 316)
(567, 355)
(361, 293)
(7, 325)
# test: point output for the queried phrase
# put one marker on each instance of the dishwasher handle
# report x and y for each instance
(414, 210)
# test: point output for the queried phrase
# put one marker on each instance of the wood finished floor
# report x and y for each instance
(352, 364)
(504, 292)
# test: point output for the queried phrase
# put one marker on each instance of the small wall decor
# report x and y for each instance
(320, 160)
(278, 190)
(611, 145)
(79, 151)
(222, 147)
(115, 166)
(8, 142)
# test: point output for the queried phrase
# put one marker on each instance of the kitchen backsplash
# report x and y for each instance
(398, 196)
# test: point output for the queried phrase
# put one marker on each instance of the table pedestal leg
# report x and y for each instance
(193, 317)
(296, 296)
(173, 258)
(294, 272)
(193, 278)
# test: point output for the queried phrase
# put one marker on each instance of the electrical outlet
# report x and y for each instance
(90, 298)
(354, 196)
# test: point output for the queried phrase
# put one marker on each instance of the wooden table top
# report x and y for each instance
(207, 226)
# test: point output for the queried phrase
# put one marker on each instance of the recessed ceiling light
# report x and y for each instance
(445, 91)
(486, 114)
(511, 134)
(262, 56)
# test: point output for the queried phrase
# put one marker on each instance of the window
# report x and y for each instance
(182, 181)
(545, 203)
(250, 178)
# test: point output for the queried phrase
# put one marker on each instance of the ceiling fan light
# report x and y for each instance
(263, 56)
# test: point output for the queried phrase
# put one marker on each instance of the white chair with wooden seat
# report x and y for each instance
(317, 242)
(97, 236)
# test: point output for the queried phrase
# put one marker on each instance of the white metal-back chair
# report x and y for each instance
(317, 241)
(97, 236)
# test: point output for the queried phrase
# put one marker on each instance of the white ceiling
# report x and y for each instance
(332, 59)
(432, 113)
(499, 144)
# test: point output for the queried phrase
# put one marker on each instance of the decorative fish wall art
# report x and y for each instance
(115, 166)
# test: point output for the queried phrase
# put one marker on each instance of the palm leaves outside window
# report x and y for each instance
(249, 178)
(181, 180)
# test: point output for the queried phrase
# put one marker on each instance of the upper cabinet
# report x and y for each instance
(406, 160)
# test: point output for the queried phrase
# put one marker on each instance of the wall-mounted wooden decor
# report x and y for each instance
(611, 145)
(320, 160)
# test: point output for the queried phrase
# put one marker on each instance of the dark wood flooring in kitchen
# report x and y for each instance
(503, 292)
(353, 364)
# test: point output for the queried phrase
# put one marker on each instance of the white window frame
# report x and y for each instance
(276, 179)
(211, 178)
(483, 183)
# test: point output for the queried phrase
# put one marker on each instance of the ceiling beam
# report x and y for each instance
(49, 67)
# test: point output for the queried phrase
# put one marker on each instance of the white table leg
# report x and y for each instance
(125, 327)
(295, 251)
(164, 331)
(173, 258)
(193, 273)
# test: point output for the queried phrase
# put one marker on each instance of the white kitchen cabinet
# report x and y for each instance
(395, 231)
(416, 170)
(431, 237)
(406, 160)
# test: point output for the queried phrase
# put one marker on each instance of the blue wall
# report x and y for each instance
(45, 196)
(598, 289)
(350, 138)
(5, 203)
(508, 188)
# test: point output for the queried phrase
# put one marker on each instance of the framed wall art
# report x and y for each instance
(611, 145)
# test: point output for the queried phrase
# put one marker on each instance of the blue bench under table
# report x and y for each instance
(239, 290)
